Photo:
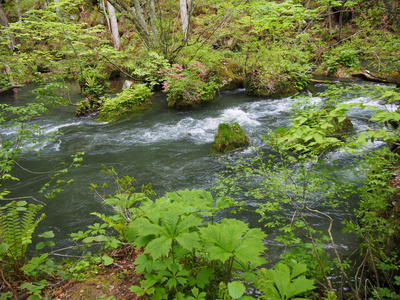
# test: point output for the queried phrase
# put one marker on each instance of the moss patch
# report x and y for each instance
(229, 137)
(229, 74)
(259, 83)
(130, 101)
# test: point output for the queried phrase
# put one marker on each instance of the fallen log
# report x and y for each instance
(384, 77)
(11, 87)
(313, 80)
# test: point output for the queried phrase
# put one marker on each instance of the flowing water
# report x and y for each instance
(169, 148)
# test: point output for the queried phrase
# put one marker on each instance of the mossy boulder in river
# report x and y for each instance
(229, 74)
(130, 101)
(89, 105)
(269, 83)
(229, 137)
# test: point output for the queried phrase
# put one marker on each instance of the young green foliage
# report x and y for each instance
(282, 283)
(232, 243)
(127, 204)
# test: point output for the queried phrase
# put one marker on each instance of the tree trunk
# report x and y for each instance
(4, 23)
(114, 25)
(329, 9)
(141, 20)
(103, 6)
(18, 10)
(341, 20)
(153, 18)
(11, 79)
(135, 15)
(184, 10)
(393, 13)
(58, 10)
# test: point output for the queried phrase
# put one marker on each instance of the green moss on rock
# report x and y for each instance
(260, 83)
(128, 102)
(229, 74)
(89, 105)
(230, 136)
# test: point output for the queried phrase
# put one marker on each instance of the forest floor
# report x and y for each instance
(102, 282)
(110, 282)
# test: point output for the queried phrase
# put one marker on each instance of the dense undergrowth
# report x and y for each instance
(181, 252)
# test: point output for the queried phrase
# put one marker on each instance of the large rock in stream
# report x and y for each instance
(230, 136)
(272, 83)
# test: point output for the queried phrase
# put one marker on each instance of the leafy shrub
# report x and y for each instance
(92, 83)
(378, 224)
(343, 56)
(93, 86)
(186, 86)
(184, 254)
(316, 130)
(277, 73)
(283, 283)
(148, 68)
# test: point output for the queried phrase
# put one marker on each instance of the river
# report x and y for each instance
(165, 147)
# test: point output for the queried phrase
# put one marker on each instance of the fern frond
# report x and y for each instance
(17, 224)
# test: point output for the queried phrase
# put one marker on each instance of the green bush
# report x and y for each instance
(277, 73)
(92, 83)
(378, 225)
(187, 86)
(147, 67)
(344, 56)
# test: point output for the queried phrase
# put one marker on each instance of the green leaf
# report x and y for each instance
(40, 245)
(47, 234)
(159, 247)
(3, 248)
(203, 277)
(107, 260)
(188, 240)
(300, 285)
(137, 290)
(232, 238)
(223, 202)
(298, 269)
(144, 263)
(236, 289)
(281, 277)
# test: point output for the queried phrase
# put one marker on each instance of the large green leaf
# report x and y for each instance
(236, 289)
(299, 285)
(159, 247)
(188, 240)
(233, 238)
